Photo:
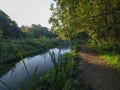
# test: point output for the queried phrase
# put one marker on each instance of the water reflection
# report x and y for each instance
(17, 76)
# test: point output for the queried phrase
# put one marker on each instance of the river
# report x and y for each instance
(17, 76)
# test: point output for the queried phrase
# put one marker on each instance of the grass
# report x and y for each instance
(64, 74)
(110, 54)
(61, 77)
(112, 59)
(31, 85)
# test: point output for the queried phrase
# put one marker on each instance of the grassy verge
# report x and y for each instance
(9, 49)
(110, 55)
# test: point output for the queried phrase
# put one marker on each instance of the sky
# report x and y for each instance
(27, 12)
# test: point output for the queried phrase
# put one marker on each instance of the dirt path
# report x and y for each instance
(96, 72)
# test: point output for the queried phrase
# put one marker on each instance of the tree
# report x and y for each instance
(36, 31)
(99, 18)
(1, 34)
(8, 27)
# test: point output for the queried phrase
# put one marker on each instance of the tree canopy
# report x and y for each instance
(36, 31)
(98, 18)
(8, 27)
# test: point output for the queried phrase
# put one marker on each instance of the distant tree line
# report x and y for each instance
(36, 31)
(10, 30)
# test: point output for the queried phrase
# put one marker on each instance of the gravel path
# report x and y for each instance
(96, 72)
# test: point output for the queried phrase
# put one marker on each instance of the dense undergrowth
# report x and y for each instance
(109, 52)
(9, 48)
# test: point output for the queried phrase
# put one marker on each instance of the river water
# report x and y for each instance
(17, 76)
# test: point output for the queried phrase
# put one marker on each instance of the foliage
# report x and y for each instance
(75, 44)
(9, 48)
(99, 18)
(8, 28)
(61, 77)
(36, 31)
(31, 78)
(112, 59)
(110, 54)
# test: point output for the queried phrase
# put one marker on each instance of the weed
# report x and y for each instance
(61, 76)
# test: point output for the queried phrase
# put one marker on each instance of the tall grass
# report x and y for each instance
(31, 78)
(112, 59)
(62, 76)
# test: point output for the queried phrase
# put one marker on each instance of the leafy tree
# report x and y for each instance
(36, 31)
(8, 27)
(99, 18)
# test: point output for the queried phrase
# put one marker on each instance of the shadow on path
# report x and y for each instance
(96, 72)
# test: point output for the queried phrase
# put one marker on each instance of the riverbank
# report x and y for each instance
(10, 49)
(17, 76)
(65, 74)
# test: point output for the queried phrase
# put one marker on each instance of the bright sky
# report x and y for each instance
(27, 12)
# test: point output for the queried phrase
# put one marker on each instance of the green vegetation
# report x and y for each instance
(112, 59)
(99, 19)
(64, 74)
(110, 54)
(26, 39)
(75, 45)
(10, 48)
(10, 30)
(36, 31)
(62, 77)
(31, 78)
